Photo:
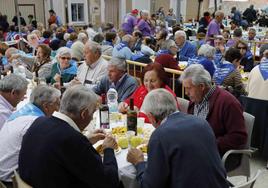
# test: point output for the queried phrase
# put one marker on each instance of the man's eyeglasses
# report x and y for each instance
(241, 48)
(64, 58)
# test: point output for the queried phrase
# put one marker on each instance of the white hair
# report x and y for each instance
(198, 74)
(13, 82)
(126, 38)
(94, 46)
(81, 37)
(66, 36)
(219, 13)
(144, 12)
(207, 51)
(44, 93)
(64, 51)
(77, 98)
(160, 103)
(119, 63)
(180, 33)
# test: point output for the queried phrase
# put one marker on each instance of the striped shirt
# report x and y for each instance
(202, 109)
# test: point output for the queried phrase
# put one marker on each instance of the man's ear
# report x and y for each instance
(83, 113)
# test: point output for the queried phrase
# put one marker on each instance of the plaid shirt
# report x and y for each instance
(201, 110)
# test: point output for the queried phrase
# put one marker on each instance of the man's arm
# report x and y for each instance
(157, 171)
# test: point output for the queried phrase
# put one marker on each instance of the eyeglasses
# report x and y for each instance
(64, 58)
(241, 48)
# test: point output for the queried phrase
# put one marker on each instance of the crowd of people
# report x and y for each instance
(43, 140)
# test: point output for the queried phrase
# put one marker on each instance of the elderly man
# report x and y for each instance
(44, 100)
(12, 91)
(219, 107)
(186, 49)
(214, 27)
(54, 153)
(123, 49)
(78, 47)
(117, 78)
(94, 67)
(180, 147)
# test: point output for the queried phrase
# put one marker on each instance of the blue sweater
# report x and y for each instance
(53, 155)
(181, 149)
(187, 51)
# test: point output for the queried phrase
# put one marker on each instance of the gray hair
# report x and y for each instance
(219, 13)
(144, 12)
(63, 51)
(81, 37)
(94, 46)
(206, 51)
(160, 103)
(13, 82)
(11, 51)
(126, 38)
(66, 36)
(119, 63)
(252, 29)
(198, 74)
(77, 98)
(167, 44)
(44, 93)
(180, 33)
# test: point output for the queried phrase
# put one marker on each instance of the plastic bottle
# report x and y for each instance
(112, 102)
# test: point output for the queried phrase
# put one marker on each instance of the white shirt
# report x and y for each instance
(66, 119)
(257, 87)
(92, 73)
(6, 110)
(10, 141)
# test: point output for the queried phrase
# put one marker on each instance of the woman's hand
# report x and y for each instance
(57, 77)
(123, 107)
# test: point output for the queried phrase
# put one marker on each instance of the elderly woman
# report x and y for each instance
(41, 64)
(65, 69)
(153, 77)
(205, 58)
(165, 56)
(247, 57)
(228, 75)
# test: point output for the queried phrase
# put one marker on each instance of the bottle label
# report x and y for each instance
(104, 119)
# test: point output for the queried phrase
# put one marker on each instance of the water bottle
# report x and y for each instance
(112, 97)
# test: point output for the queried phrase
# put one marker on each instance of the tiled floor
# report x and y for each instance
(256, 164)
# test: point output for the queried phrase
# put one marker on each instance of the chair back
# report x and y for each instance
(2, 185)
(244, 168)
(251, 182)
(183, 104)
(249, 123)
(19, 183)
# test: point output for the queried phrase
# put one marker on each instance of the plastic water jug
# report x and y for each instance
(112, 102)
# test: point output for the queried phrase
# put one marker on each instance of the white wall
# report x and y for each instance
(59, 8)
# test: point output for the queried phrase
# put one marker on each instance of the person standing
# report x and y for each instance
(214, 27)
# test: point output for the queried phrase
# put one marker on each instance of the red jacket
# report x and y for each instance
(139, 96)
(226, 119)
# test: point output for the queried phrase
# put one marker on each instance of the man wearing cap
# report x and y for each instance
(130, 21)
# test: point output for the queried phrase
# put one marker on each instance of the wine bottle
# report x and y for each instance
(132, 117)
(104, 113)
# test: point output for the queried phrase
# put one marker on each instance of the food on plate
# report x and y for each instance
(135, 141)
(119, 130)
(99, 149)
(123, 142)
(143, 148)
(140, 130)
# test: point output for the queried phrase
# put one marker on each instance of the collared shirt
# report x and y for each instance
(10, 140)
(202, 109)
(6, 110)
(94, 73)
(66, 119)
(124, 87)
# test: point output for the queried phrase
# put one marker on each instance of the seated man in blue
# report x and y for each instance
(181, 145)
(118, 79)
(186, 49)
(123, 49)
(220, 50)
(205, 57)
